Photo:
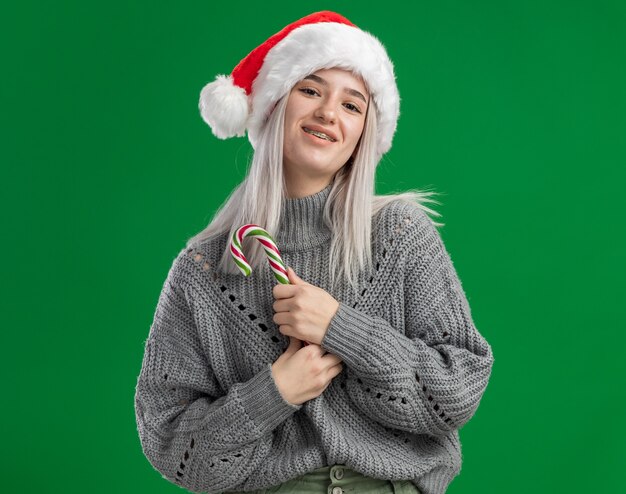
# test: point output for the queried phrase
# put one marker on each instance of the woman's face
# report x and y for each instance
(329, 101)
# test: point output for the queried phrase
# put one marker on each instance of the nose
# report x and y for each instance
(326, 111)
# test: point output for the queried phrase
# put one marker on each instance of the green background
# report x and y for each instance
(513, 111)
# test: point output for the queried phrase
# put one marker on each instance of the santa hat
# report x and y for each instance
(243, 100)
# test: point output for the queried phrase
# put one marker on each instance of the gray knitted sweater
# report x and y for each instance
(209, 415)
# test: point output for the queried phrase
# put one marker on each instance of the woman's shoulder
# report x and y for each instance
(406, 226)
(194, 258)
(393, 215)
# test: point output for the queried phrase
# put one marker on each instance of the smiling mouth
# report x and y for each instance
(321, 135)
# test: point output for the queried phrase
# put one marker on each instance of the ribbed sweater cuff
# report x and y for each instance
(348, 334)
(263, 402)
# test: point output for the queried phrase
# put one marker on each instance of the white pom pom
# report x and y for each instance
(224, 107)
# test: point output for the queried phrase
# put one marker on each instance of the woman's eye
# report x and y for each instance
(352, 107)
(308, 90)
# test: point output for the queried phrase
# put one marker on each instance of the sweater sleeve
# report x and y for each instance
(427, 379)
(192, 433)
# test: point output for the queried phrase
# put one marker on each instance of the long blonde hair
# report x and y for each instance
(348, 211)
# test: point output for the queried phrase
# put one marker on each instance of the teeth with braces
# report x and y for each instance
(318, 134)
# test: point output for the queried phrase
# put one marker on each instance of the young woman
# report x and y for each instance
(229, 399)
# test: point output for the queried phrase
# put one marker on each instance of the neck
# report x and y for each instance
(305, 190)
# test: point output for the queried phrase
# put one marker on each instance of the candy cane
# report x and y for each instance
(273, 254)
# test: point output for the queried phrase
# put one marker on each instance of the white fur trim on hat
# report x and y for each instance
(224, 106)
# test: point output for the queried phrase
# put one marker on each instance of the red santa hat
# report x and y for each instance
(243, 100)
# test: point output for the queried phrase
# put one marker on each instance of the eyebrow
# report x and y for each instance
(323, 82)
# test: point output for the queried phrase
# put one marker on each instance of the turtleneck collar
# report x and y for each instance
(302, 222)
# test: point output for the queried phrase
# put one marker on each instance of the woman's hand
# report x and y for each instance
(303, 373)
(303, 311)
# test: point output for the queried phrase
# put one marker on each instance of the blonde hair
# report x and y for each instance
(348, 211)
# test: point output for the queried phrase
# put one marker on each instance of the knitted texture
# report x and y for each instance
(209, 415)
